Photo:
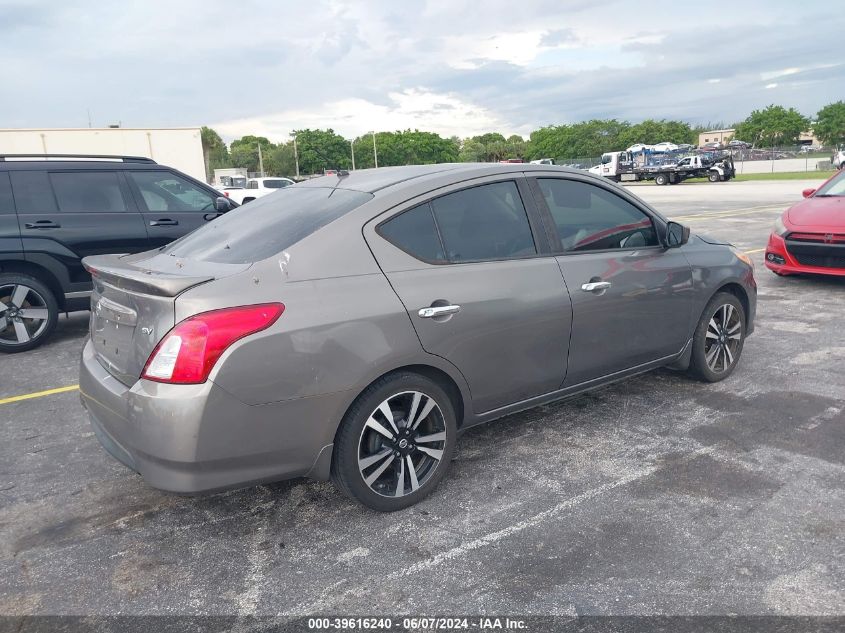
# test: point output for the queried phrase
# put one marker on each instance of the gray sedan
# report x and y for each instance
(351, 326)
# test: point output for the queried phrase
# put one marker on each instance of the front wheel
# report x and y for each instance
(718, 339)
(395, 443)
(28, 312)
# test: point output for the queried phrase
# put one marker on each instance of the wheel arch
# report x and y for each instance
(321, 468)
(739, 292)
(39, 272)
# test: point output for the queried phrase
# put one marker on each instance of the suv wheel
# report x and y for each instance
(395, 443)
(718, 339)
(28, 312)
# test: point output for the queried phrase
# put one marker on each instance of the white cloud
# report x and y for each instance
(770, 86)
(416, 108)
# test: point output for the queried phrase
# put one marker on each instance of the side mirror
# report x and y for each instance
(221, 205)
(808, 192)
(676, 235)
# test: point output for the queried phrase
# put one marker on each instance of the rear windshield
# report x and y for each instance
(267, 226)
(275, 184)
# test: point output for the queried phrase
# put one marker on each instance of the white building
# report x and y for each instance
(176, 147)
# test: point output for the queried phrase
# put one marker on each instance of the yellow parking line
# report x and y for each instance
(38, 394)
(730, 212)
(756, 250)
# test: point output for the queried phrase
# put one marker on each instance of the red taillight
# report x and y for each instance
(189, 351)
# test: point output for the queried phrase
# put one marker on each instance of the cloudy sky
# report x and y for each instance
(450, 66)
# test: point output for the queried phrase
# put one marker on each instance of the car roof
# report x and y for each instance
(374, 180)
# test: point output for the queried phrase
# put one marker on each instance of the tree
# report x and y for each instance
(830, 124)
(214, 151)
(322, 149)
(408, 147)
(772, 126)
(244, 152)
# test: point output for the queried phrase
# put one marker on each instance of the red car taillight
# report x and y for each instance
(189, 351)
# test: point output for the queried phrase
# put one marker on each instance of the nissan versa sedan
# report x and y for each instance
(351, 326)
(810, 236)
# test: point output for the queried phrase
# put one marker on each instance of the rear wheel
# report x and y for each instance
(718, 339)
(28, 312)
(661, 179)
(714, 176)
(396, 442)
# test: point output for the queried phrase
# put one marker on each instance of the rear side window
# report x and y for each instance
(415, 233)
(267, 226)
(7, 202)
(483, 223)
(591, 218)
(33, 193)
(88, 192)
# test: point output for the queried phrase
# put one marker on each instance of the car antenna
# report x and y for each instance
(340, 173)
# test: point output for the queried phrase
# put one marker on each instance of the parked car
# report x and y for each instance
(712, 145)
(838, 159)
(55, 212)
(639, 147)
(349, 328)
(665, 147)
(256, 188)
(810, 236)
(737, 144)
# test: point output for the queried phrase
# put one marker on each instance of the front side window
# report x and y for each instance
(88, 192)
(165, 191)
(591, 218)
(483, 223)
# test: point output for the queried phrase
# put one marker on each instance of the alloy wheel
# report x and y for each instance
(401, 444)
(723, 338)
(24, 314)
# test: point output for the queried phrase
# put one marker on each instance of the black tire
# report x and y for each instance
(354, 433)
(714, 176)
(661, 179)
(39, 297)
(702, 365)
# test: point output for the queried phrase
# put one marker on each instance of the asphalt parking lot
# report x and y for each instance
(656, 495)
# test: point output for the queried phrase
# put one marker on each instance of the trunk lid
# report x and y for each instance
(133, 304)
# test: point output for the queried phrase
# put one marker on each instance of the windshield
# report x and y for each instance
(833, 187)
(275, 184)
(267, 226)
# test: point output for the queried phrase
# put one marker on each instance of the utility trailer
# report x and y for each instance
(629, 167)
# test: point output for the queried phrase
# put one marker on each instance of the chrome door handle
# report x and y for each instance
(595, 285)
(436, 311)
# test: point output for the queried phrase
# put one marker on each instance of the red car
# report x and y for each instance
(810, 236)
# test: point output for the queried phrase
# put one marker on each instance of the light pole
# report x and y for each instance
(375, 151)
(295, 154)
(352, 146)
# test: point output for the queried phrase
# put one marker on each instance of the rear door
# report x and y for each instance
(631, 297)
(171, 204)
(480, 292)
(68, 215)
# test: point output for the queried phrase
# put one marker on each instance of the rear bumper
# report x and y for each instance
(777, 248)
(199, 438)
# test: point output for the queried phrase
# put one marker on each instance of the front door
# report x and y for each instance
(631, 297)
(172, 205)
(477, 292)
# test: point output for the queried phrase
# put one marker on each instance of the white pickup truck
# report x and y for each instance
(256, 188)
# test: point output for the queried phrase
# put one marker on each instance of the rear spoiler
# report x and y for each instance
(124, 275)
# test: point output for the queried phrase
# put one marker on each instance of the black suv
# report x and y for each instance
(57, 209)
